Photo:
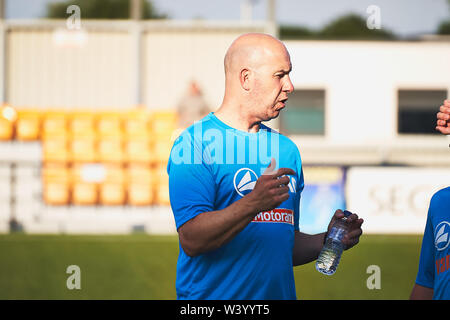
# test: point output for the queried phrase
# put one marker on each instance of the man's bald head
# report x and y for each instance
(257, 82)
(250, 51)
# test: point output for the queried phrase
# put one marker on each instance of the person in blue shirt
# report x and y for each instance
(235, 187)
(433, 277)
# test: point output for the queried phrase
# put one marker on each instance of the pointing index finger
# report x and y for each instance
(283, 171)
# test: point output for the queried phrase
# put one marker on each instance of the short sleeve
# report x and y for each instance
(191, 187)
(425, 275)
(299, 188)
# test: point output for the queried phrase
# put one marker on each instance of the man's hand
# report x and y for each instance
(307, 247)
(270, 190)
(443, 118)
(354, 230)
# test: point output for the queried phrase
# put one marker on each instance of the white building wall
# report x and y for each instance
(115, 64)
(361, 80)
(44, 74)
(173, 59)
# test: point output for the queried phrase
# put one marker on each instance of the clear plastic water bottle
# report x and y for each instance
(330, 255)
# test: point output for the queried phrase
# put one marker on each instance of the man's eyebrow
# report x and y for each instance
(284, 71)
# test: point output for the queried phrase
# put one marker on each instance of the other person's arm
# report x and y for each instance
(421, 293)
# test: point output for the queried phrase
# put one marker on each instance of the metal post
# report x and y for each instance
(3, 30)
(135, 33)
(136, 10)
(272, 29)
(246, 10)
(3, 64)
(136, 16)
(271, 18)
(2, 9)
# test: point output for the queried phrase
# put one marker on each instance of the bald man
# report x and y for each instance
(235, 186)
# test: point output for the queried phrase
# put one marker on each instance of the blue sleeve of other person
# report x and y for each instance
(425, 276)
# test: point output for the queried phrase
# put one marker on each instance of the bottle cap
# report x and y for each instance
(346, 214)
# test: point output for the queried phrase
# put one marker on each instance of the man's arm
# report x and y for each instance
(211, 230)
(307, 247)
(421, 293)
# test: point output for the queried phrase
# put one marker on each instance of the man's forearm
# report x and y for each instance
(421, 293)
(211, 230)
(306, 247)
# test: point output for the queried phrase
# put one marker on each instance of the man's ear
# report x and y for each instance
(244, 77)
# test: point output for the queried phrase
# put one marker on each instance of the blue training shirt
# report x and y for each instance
(434, 265)
(211, 166)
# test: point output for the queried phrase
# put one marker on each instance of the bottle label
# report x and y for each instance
(336, 234)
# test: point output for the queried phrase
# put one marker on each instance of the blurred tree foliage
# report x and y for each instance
(102, 9)
(353, 26)
(444, 26)
(347, 27)
(296, 32)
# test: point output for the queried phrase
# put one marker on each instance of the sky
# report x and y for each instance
(403, 17)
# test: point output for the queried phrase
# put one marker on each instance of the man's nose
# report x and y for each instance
(288, 86)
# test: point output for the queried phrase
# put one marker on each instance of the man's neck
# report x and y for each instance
(233, 118)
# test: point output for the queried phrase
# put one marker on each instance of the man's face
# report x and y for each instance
(272, 85)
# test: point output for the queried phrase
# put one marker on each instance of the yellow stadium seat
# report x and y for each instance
(109, 124)
(162, 194)
(140, 173)
(161, 149)
(161, 184)
(115, 173)
(159, 173)
(85, 183)
(56, 184)
(55, 149)
(140, 185)
(56, 193)
(84, 193)
(54, 124)
(140, 194)
(112, 190)
(110, 149)
(55, 171)
(112, 193)
(6, 129)
(9, 113)
(83, 124)
(84, 149)
(164, 122)
(8, 116)
(28, 125)
(138, 150)
(137, 124)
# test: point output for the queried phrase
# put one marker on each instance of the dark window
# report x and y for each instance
(304, 113)
(417, 110)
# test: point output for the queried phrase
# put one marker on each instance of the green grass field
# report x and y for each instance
(143, 267)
